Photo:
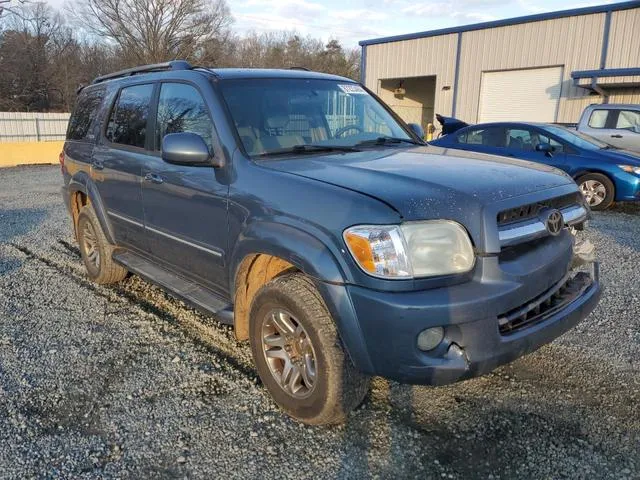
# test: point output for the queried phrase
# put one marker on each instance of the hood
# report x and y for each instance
(622, 157)
(427, 182)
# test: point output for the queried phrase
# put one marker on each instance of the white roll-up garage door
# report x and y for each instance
(529, 95)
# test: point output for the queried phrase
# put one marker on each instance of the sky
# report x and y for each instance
(353, 20)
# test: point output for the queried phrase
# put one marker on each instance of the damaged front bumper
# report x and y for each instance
(479, 336)
(534, 325)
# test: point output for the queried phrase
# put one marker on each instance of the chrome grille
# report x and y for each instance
(531, 211)
(528, 222)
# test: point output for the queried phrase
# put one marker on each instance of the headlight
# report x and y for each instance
(414, 249)
(438, 247)
(630, 169)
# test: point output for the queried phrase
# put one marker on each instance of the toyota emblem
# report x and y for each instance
(555, 222)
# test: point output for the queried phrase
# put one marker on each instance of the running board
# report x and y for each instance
(199, 297)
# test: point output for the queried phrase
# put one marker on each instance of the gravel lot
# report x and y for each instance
(124, 381)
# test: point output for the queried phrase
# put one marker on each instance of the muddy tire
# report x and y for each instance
(299, 355)
(96, 250)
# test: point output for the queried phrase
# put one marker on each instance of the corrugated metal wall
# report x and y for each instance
(624, 39)
(32, 127)
(625, 96)
(416, 58)
(572, 42)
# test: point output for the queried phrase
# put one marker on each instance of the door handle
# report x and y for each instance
(616, 136)
(153, 178)
(97, 164)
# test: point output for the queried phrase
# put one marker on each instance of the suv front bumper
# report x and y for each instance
(389, 324)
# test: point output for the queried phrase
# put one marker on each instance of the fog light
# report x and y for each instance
(430, 338)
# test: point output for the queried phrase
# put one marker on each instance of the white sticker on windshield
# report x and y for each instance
(352, 88)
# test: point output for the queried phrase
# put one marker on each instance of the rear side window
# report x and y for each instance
(489, 137)
(629, 120)
(182, 109)
(84, 115)
(598, 118)
(128, 120)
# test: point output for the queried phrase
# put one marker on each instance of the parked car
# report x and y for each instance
(604, 173)
(299, 208)
(616, 124)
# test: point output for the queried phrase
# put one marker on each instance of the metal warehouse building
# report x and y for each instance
(544, 67)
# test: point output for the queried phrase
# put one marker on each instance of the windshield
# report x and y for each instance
(576, 138)
(280, 114)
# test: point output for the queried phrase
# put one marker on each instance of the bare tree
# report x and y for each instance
(43, 60)
(150, 31)
(25, 51)
(282, 50)
(8, 7)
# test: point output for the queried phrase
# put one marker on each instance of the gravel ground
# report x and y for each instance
(126, 382)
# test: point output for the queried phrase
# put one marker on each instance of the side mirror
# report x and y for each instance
(417, 129)
(546, 148)
(187, 149)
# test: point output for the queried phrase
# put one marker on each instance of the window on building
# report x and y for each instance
(84, 115)
(182, 109)
(128, 121)
(598, 118)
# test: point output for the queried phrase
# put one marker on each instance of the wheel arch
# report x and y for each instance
(82, 191)
(266, 250)
(586, 171)
(282, 249)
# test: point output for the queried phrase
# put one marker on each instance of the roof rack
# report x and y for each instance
(300, 68)
(156, 67)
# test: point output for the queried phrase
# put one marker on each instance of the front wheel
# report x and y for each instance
(597, 190)
(299, 355)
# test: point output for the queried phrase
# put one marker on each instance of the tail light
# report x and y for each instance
(61, 160)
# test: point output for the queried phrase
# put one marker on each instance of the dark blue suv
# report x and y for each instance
(299, 208)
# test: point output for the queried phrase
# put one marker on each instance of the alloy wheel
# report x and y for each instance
(91, 245)
(289, 353)
(594, 192)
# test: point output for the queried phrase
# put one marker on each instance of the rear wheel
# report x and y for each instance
(96, 250)
(299, 355)
(597, 190)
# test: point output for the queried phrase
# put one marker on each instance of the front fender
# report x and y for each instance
(296, 246)
(81, 182)
(315, 259)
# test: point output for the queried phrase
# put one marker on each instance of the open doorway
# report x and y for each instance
(413, 99)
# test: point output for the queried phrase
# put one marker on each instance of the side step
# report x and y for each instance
(199, 297)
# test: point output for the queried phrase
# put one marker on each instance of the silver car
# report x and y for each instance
(617, 124)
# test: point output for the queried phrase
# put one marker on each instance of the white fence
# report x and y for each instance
(32, 127)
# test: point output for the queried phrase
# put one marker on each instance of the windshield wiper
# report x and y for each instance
(388, 140)
(298, 149)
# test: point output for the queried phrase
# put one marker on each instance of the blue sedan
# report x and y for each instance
(604, 173)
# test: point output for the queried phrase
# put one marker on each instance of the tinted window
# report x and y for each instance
(489, 137)
(128, 121)
(629, 120)
(525, 139)
(598, 118)
(84, 114)
(182, 109)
